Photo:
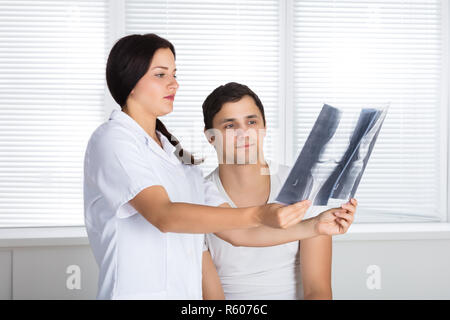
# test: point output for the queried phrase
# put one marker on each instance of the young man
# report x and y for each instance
(235, 125)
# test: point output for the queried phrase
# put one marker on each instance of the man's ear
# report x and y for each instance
(209, 135)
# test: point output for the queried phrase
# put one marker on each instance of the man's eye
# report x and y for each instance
(229, 126)
(252, 122)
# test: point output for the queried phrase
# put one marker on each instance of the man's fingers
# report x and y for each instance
(336, 211)
(349, 207)
(344, 224)
(347, 216)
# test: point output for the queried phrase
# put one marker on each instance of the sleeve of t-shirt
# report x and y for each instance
(119, 170)
(212, 195)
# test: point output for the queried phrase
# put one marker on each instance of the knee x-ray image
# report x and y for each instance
(320, 180)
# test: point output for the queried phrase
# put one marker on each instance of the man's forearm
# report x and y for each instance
(264, 236)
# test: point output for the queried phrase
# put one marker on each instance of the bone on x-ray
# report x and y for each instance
(323, 181)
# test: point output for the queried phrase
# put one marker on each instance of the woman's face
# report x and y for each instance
(155, 91)
(239, 132)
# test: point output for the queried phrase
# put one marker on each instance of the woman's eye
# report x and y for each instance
(175, 76)
(160, 75)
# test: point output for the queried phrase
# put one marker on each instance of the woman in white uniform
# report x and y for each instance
(146, 204)
(294, 270)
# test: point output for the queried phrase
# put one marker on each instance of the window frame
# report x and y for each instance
(445, 105)
(287, 105)
(444, 215)
(76, 235)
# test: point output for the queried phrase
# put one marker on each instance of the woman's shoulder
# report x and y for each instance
(108, 137)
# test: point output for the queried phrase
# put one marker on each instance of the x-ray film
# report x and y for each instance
(320, 180)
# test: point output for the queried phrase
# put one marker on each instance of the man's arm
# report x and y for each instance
(330, 222)
(263, 236)
(315, 267)
(211, 285)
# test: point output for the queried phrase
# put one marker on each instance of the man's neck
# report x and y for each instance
(244, 176)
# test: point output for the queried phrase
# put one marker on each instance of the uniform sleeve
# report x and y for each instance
(212, 195)
(116, 166)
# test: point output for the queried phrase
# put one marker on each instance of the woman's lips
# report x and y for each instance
(171, 97)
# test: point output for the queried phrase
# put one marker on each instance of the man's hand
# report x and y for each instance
(336, 220)
(279, 216)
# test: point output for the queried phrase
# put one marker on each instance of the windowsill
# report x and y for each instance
(396, 231)
(73, 236)
(43, 236)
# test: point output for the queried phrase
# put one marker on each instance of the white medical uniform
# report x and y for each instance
(136, 260)
(254, 273)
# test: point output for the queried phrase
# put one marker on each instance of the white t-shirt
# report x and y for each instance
(256, 273)
(136, 260)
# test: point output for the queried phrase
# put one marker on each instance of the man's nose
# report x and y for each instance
(240, 132)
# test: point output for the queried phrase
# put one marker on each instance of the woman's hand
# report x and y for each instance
(279, 216)
(336, 220)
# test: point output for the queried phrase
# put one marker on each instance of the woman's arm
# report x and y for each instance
(315, 266)
(211, 285)
(154, 205)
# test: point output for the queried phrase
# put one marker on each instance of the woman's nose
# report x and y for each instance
(173, 83)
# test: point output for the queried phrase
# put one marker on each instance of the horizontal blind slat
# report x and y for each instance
(351, 53)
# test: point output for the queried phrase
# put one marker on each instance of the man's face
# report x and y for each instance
(239, 132)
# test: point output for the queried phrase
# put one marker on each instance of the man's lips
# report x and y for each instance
(171, 97)
(246, 145)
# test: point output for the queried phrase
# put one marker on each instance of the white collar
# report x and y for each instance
(168, 150)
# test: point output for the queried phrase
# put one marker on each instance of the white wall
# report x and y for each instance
(35, 267)
(410, 269)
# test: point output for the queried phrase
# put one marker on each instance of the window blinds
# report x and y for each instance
(216, 42)
(352, 54)
(52, 60)
(349, 54)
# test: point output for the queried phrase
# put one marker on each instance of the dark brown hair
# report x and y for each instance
(230, 92)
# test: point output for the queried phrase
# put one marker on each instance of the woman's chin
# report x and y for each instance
(166, 110)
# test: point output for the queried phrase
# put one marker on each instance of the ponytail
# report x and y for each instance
(184, 156)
